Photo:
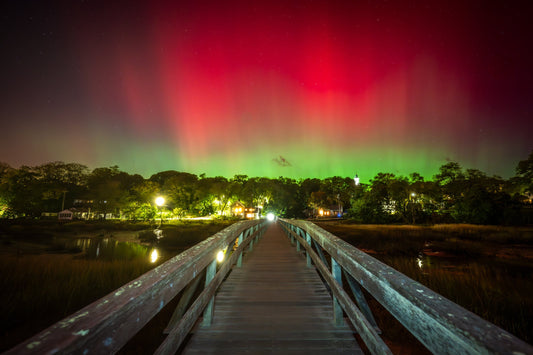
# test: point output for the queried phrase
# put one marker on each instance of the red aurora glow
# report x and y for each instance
(334, 87)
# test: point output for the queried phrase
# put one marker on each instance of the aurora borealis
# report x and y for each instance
(267, 88)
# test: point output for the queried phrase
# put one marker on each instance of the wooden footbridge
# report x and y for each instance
(267, 297)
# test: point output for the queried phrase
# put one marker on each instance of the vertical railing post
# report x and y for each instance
(252, 240)
(256, 238)
(360, 299)
(291, 227)
(260, 234)
(251, 245)
(308, 239)
(210, 272)
(239, 260)
(293, 238)
(336, 271)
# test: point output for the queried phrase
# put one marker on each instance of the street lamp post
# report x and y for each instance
(160, 201)
(413, 195)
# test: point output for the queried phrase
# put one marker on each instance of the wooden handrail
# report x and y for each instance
(107, 324)
(441, 325)
(110, 322)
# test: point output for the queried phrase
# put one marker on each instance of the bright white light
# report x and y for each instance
(154, 255)
(271, 216)
(160, 201)
(356, 180)
(220, 256)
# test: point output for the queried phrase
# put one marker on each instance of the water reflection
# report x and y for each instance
(110, 249)
(419, 262)
(424, 263)
(154, 255)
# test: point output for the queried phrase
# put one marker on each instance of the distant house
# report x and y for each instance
(252, 212)
(238, 209)
(83, 203)
(328, 212)
(65, 215)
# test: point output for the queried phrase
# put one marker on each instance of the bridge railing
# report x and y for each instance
(441, 325)
(107, 324)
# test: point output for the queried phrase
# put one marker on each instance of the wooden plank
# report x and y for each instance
(274, 303)
(179, 333)
(368, 334)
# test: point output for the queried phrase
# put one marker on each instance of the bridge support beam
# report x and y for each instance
(239, 242)
(361, 300)
(210, 273)
(183, 304)
(308, 240)
(336, 271)
(298, 232)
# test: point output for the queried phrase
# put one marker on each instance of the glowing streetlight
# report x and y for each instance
(413, 195)
(271, 216)
(160, 201)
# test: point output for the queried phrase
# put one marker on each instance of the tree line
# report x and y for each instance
(454, 194)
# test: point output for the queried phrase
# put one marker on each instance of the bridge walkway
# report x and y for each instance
(274, 303)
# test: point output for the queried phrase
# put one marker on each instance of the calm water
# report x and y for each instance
(111, 249)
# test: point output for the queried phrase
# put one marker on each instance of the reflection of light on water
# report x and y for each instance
(158, 233)
(154, 255)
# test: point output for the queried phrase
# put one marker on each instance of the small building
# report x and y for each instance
(251, 213)
(238, 209)
(65, 215)
(329, 212)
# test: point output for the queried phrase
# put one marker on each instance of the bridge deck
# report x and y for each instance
(273, 304)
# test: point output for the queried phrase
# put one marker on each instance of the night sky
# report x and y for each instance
(268, 88)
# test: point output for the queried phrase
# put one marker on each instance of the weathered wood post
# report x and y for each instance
(292, 228)
(308, 240)
(299, 232)
(210, 272)
(239, 242)
(251, 245)
(336, 271)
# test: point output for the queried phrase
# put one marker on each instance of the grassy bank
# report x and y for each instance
(485, 269)
(453, 239)
(39, 288)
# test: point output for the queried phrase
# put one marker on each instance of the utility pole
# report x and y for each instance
(63, 203)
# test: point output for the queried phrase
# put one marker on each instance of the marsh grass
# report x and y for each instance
(494, 293)
(459, 239)
(184, 235)
(469, 272)
(39, 290)
(41, 285)
(40, 229)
